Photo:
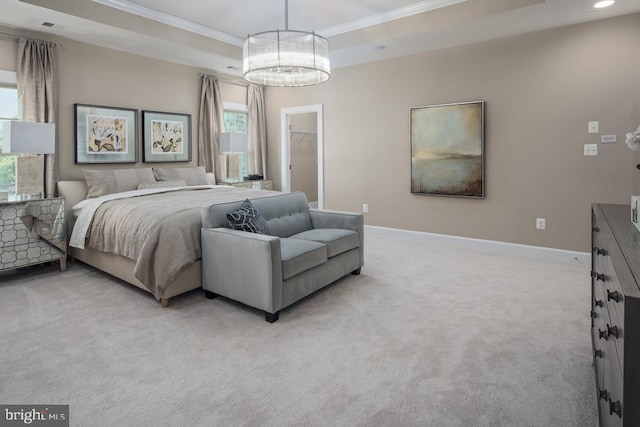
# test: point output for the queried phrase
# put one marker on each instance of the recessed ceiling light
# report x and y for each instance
(603, 3)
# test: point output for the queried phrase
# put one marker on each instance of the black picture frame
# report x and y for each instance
(166, 137)
(105, 134)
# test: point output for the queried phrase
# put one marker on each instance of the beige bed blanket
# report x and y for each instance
(160, 231)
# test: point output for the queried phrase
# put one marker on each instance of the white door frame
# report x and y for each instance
(285, 147)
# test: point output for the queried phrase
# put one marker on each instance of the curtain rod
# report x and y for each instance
(231, 81)
(11, 36)
(17, 37)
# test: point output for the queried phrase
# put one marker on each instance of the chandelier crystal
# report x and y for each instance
(286, 57)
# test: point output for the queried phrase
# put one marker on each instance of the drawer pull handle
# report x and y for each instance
(598, 353)
(603, 394)
(597, 276)
(596, 229)
(615, 296)
(598, 303)
(615, 408)
(613, 330)
(602, 334)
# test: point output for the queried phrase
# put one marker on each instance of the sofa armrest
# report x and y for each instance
(323, 218)
(354, 221)
(242, 266)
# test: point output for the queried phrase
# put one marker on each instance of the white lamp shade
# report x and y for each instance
(28, 137)
(232, 142)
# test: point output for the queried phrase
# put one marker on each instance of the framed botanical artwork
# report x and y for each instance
(166, 137)
(447, 150)
(105, 134)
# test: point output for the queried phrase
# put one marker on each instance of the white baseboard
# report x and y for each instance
(537, 252)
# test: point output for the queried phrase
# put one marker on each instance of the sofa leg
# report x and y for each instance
(209, 294)
(356, 271)
(271, 317)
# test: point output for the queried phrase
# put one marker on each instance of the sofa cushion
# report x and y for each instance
(286, 214)
(337, 240)
(300, 255)
(247, 218)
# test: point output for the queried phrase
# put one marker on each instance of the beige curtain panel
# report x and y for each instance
(38, 94)
(210, 125)
(257, 131)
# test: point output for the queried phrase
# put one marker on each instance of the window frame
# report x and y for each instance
(8, 79)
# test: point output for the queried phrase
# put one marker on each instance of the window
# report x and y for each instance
(8, 111)
(233, 142)
(235, 117)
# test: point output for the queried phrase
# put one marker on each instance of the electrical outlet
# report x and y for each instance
(541, 223)
(594, 127)
(365, 207)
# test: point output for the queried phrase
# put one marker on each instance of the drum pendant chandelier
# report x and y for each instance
(286, 58)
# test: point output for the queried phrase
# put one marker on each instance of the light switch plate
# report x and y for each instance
(594, 127)
(635, 205)
(590, 149)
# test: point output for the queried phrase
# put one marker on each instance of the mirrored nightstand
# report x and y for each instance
(32, 232)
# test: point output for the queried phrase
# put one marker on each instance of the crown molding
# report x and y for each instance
(392, 15)
(358, 24)
(164, 18)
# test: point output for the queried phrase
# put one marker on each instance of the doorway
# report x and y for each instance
(302, 152)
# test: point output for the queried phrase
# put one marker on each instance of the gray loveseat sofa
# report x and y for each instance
(306, 249)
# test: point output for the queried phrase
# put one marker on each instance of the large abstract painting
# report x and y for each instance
(447, 149)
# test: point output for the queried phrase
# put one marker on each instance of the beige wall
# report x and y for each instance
(540, 90)
(98, 76)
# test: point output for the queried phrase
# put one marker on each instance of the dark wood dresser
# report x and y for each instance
(615, 314)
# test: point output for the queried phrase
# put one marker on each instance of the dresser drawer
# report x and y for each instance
(30, 253)
(612, 412)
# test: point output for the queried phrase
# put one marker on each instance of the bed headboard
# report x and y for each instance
(72, 192)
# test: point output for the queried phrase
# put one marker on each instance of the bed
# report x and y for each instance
(166, 225)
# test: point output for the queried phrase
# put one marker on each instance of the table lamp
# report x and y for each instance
(31, 139)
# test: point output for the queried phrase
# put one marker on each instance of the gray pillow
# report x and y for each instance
(107, 181)
(192, 176)
(161, 184)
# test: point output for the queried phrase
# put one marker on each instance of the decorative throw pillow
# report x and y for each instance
(247, 218)
(161, 184)
(107, 181)
(192, 176)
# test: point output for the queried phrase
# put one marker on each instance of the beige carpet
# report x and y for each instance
(426, 336)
